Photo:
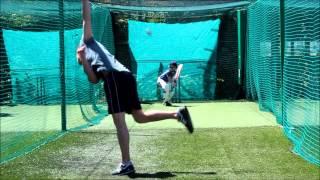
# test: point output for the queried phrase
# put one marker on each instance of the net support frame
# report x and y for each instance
(62, 68)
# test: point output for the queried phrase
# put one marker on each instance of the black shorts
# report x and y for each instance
(121, 92)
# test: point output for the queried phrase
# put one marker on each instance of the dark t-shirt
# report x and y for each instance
(167, 75)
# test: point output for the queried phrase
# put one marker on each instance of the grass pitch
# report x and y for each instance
(213, 153)
(216, 150)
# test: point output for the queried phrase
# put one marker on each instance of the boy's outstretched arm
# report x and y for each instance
(86, 15)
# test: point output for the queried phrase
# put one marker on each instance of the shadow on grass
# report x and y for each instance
(195, 173)
(160, 175)
(5, 115)
(164, 175)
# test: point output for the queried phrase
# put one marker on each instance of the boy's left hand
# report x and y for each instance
(80, 54)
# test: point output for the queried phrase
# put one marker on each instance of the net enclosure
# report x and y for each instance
(267, 51)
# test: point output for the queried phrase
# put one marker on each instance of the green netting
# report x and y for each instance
(45, 92)
(176, 6)
(171, 5)
(34, 63)
(154, 45)
(301, 71)
(41, 85)
(288, 87)
(222, 65)
(264, 79)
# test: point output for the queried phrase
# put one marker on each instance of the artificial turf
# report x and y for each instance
(209, 153)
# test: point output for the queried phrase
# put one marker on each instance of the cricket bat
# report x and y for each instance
(179, 68)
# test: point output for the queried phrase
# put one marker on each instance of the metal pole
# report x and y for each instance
(239, 18)
(282, 49)
(179, 100)
(62, 68)
(38, 90)
(41, 91)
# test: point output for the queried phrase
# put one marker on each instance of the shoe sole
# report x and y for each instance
(125, 173)
(188, 120)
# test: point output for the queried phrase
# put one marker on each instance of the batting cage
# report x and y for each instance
(264, 51)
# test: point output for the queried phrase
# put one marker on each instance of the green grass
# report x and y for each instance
(16, 143)
(212, 153)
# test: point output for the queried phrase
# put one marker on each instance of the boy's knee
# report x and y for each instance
(138, 120)
(139, 117)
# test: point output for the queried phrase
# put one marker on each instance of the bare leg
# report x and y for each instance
(150, 116)
(123, 135)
